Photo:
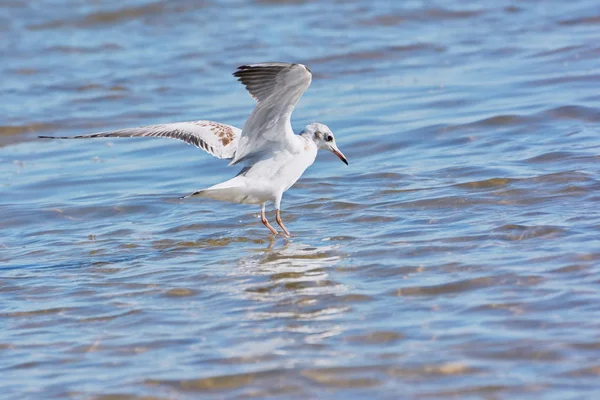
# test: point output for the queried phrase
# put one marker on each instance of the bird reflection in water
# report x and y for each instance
(291, 285)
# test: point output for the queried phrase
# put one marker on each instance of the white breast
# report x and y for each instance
(280, 171)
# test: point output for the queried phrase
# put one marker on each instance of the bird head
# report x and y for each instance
(324, 139)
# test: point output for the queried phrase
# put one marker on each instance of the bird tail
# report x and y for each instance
(232, 190)
(196, 193)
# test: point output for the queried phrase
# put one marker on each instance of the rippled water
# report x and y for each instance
(456, 257)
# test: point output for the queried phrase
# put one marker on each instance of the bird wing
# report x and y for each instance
(276, 87)
(219, 140)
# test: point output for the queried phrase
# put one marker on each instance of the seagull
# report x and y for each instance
(272, 155)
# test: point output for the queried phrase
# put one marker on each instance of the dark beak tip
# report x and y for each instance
(340, 156)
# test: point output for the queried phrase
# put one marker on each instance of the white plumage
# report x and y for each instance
(274, 157)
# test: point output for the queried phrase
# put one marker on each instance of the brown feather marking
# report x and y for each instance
(223, 132)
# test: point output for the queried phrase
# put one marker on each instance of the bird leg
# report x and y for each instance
(278, 219)
(266, 223)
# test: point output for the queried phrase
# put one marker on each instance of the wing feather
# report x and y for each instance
(277, 87)
(219, 140)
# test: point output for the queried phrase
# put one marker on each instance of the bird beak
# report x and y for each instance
(340, 155)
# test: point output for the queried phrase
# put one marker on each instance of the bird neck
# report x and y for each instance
(310, 139)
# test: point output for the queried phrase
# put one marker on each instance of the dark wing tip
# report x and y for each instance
(262, 66)
(262, 79)
(239, 70)
(247, 68)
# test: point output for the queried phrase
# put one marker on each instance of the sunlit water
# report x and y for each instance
(458, 256)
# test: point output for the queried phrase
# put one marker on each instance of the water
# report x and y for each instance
(456, 257)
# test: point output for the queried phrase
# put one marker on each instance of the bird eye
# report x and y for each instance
(329, 138)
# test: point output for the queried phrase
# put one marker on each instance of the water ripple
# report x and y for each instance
(454, 257)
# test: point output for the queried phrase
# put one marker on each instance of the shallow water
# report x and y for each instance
(456, 257)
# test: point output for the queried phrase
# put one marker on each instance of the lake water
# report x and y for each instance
(457, 256)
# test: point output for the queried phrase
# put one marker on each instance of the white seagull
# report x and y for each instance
(273, 156)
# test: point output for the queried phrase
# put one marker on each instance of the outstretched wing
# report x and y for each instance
(277, 87)
(218, 139)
